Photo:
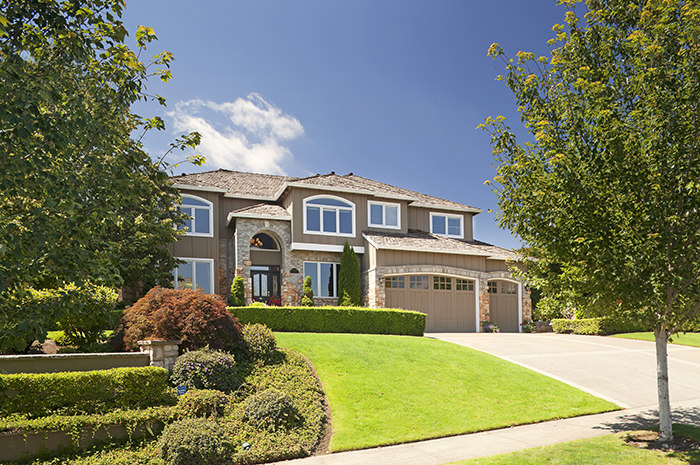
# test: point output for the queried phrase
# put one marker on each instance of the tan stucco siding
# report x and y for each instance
(401, 257)
(497, 265)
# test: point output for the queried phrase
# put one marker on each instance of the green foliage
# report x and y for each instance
(257, 304)
(96, 315)
(259, 341)
(270, 409)
(40, 394)
(203, 403)
(197, 319)
(237, 296)
(335, 320)
(596, 326)
(195, 441)
(206, 369)
(349, 282)
(307, 299)
(80, 199)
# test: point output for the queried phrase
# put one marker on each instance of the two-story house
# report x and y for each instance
(416, 251)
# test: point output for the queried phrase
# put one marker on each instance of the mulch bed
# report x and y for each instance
(650, 440)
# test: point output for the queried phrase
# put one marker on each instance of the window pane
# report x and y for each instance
(198, 203)
(256, 285)
(453, 227)
(184, 276)
(264, 291)
(375, 214)
(326, 280)
(329, 220)
(311, 269)
(336, 267)
(392, 216)
(201, 224)
(313, 219)
(188, 223)
(438, 224)
(203, 276)
(329, 202)
(345, 221)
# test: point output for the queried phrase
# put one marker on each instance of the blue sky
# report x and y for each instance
(389, 90)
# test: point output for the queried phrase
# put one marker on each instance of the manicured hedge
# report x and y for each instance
(86, 392)
(596, 326)
(334, 320)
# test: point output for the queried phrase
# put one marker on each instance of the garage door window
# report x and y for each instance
(419, 282)
(509, 288)
(395, 282)
(493, 287)
(465, 285)
(441, 283)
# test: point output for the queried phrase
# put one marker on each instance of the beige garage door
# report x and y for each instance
(449, 303)
(503, 305)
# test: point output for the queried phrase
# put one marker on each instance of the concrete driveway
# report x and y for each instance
(622, 371)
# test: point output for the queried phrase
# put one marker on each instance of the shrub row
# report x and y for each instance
(334, 320)
(88, 392)
(596, 326)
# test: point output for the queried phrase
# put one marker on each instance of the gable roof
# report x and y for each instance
(422, 241)
(262, 211)
(271, 187)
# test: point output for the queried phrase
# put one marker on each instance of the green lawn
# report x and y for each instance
(687, 339)
(394, 389)
(608, 450)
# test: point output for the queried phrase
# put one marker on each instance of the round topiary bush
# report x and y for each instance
(270, 409)
(206, 369)
(202, 403)
(195, 318)
(259, 341)
(195, 441)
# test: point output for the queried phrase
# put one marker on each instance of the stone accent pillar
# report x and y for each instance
(163, 353)
(484, 313)
(527, 304)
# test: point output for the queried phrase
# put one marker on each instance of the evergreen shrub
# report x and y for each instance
(270, 409)
(307, 300)
(202, 403)
(195, 441)
(237, 296)
(349, 282)
(259, 341)
(206, 369)
(197, 319)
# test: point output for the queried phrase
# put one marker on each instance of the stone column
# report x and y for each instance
(163, 353)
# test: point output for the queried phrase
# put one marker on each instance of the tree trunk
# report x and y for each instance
(661, 336)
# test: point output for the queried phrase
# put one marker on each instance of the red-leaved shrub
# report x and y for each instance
(197, 319)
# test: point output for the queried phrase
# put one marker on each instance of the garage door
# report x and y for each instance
(503, 305)
(449, 303)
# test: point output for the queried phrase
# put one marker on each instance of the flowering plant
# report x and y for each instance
(529, 326)
(274, 301)
(489, 327)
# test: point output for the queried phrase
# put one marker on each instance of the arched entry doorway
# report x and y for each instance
(266, 262)
(503, 305)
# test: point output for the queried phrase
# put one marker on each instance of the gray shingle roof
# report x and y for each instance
(267, 186)
(262, 210)
(425, 242)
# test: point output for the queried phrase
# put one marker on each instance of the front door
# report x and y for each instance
(266, 282)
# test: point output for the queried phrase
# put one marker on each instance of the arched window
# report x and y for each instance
(262, 241)
(329, 215)
(201, 216)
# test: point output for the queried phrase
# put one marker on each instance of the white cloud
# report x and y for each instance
(243, 135)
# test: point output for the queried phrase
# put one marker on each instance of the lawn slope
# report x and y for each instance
(394, 389)
(686, 339)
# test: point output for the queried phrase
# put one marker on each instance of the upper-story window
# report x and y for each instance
(201, 216)
(384, 215)
(447, 225)
(329, 215)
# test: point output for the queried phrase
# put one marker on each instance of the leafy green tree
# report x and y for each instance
(79, 197)
(606, 195)
(349, 284)
(307, 299)
(237, 296)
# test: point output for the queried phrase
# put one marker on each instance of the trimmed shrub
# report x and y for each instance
(349, 283)
(202, 403)
(259, 341)
(206, 369)
(596, 326)
(195, 441)
(84, 392)
(96, 314)
(335, 320)
(270, 409)
(237, 296)
(197, 319)
(308, 298)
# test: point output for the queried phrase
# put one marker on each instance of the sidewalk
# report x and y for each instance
(445, 450)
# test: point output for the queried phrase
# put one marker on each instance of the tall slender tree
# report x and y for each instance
(606, 196)
(349, 284)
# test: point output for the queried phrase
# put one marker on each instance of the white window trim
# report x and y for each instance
(383, 225)
(337, 216)
(211, 216)
(194, 272)
(317, 282)
(447, 216)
